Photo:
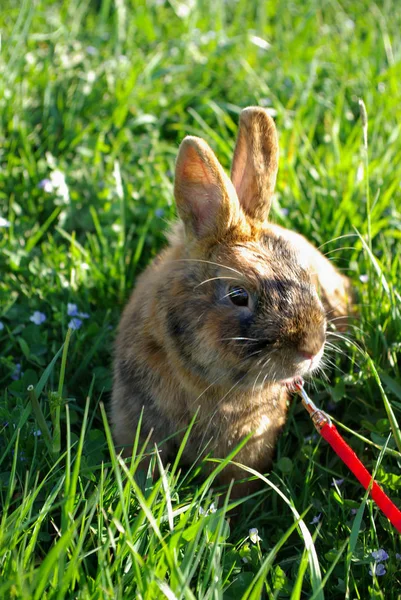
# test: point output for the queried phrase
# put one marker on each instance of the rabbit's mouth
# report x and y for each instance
(293, 383)
(304, 367)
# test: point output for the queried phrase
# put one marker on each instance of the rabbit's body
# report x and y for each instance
(225, 315)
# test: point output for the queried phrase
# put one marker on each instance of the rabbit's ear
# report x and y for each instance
(255, 162)
(206, 199)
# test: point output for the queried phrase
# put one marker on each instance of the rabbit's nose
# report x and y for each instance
(311, 346)
(307, 355)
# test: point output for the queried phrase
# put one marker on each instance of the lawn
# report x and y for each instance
(95, 97)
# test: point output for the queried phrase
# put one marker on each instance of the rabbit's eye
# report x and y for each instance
(238, 295)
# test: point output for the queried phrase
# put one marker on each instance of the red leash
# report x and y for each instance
(329, 432)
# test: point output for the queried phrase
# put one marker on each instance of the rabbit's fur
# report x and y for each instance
(185, 346)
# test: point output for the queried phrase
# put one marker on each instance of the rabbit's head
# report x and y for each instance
(239, 304)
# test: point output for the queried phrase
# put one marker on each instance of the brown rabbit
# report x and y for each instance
(226, 314)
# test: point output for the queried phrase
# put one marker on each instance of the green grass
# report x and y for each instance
(97, 96)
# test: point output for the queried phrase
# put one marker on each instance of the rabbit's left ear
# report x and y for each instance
(255, 162)
(205, 197)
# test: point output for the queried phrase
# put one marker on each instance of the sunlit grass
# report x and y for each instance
(94, 100)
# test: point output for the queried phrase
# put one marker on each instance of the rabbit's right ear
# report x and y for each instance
(206, 199)
(255, 162)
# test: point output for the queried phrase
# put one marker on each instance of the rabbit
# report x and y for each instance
(226, 316)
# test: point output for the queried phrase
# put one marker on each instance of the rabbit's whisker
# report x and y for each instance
(209, 262)
(343, 337)
(255, 382)
(331, 346)
(212, 279)
(263, 358)
(320, 370)
(217, 407)
(338, 250)
(337, 350)
(238, 339)
(260, 372)
(340, 237)
(356, 317)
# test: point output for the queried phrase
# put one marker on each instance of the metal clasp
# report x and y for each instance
(319, 417)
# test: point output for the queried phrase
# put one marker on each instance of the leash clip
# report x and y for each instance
(319, 417)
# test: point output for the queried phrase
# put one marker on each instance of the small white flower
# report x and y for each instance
(30, 58)
(38, 317)
(201, 511)
(91, 50)
(349, 24)
(360, 173)
(4, 222)
(245, 560)
(60, 186)
(364, 278)
(183, 11)
(91, 76)
(254, 535)
(46, 185)
(212, 508)
(259, 42)
(37, 433)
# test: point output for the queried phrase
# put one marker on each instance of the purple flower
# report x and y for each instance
(1, 326)
(379, 555)
(38, 317)
(378, 570)
(72, 311)
(331, 406)
(37, 433)
(398, 556)
(337, 482)
(75, 323)
(354, 511)
(91, 50)
(284, 211)
(4, 222)
(316, 519)
(46, 185)
(159, 212)
(17, 374)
